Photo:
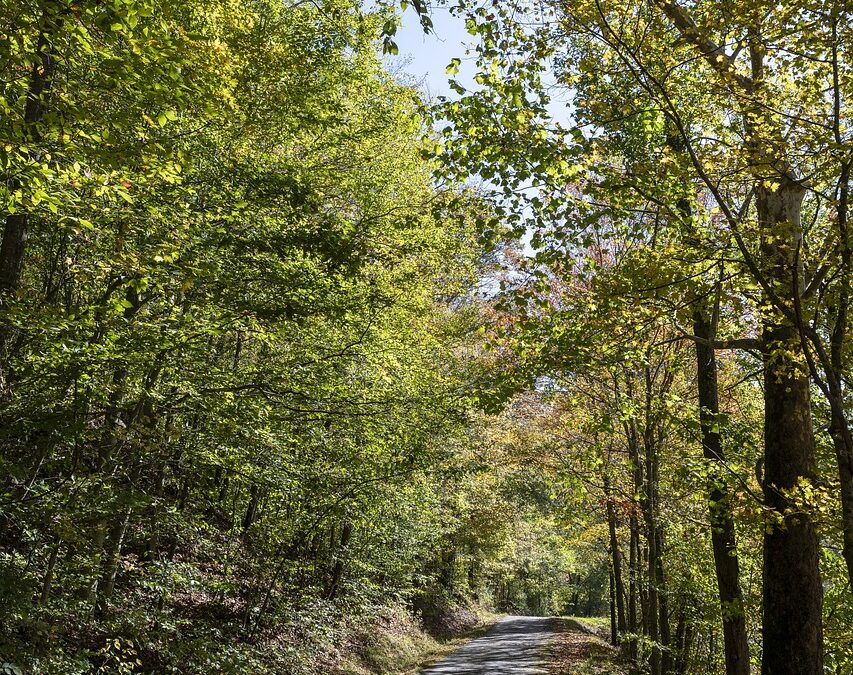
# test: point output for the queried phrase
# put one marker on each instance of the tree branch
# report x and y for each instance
(714, 54)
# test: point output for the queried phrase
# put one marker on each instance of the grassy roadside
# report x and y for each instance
(444, 646)
(403, 647)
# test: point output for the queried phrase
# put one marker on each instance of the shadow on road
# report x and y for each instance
(513, 647)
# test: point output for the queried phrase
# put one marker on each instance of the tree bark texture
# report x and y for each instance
(793, 595)
(723, 536)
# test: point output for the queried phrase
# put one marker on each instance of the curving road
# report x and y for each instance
(515, 646)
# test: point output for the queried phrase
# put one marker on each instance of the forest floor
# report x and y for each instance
(579, 649)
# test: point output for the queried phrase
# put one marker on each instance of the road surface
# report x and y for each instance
(515, 646)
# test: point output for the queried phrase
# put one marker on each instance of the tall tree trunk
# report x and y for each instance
(723, 536)
(41, 80)
(111, 561)
(16, 227)
(663, 608)
(636, 620)
(689, 640)
(793, 595)
(633, 564)
(650, 512)
(90, 592)
(833, 364)
(338, 569)
(48, 573)
(614, 631)
(651, 614)
(839, 428)
(842, 442)
(252, 508)
(616, 565)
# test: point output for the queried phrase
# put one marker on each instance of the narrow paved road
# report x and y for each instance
(515, 646)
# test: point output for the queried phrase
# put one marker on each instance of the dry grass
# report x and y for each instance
(442, 648)
(402, 647)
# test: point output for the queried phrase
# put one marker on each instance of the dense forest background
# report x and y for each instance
(296, 363)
